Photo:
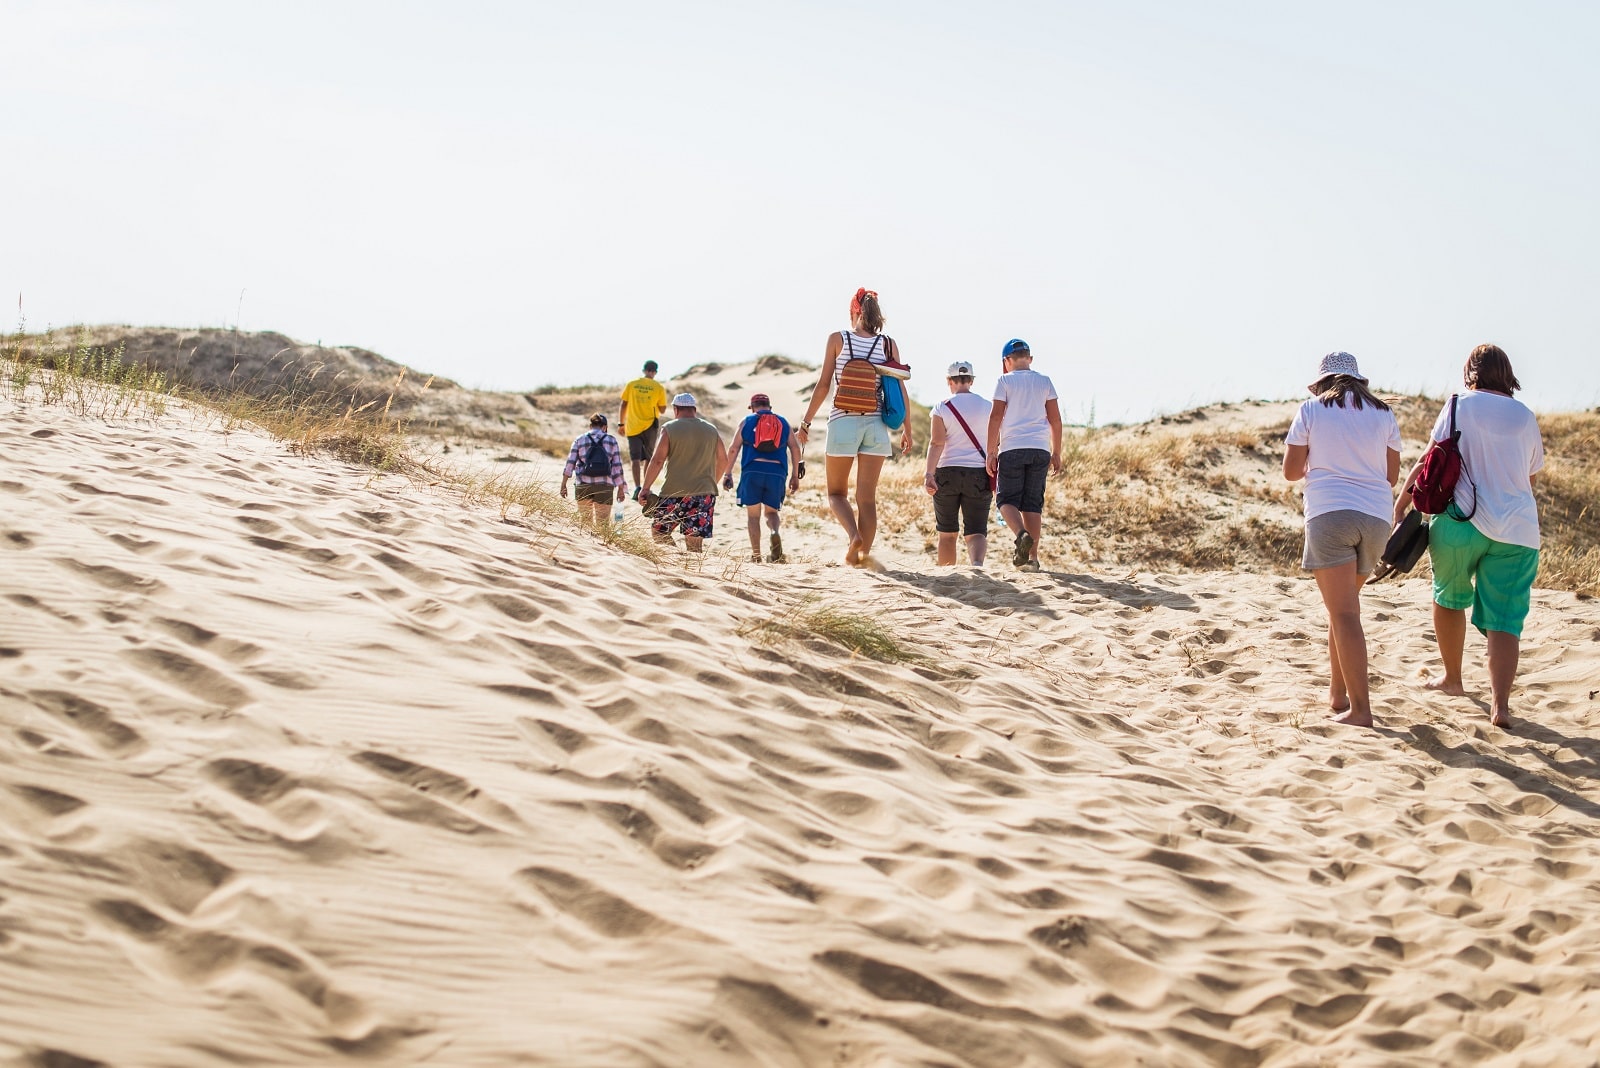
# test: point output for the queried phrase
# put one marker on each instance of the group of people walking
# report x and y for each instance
(1344, 442)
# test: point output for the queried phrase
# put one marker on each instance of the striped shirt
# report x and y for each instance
(871, 349)
(580, 451)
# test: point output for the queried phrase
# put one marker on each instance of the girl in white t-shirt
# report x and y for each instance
(1485, 547)
(857, 439)
(1346, 444)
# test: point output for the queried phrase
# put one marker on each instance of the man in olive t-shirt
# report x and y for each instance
(643, 401)
(692, 452)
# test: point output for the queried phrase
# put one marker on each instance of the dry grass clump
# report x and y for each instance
(860, 633)
(87, 379)
(1164, 499)
(1568, 491)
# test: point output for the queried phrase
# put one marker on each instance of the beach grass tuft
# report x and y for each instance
(858, 632)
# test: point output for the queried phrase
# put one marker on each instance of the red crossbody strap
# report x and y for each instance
(951, 404)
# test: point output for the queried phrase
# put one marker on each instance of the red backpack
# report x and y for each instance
(1434, 486)
(768, 434)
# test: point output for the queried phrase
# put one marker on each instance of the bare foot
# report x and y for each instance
(852, 555)
(1354, 720)
(1501, 717)
(1443, 684)
(1338, 704)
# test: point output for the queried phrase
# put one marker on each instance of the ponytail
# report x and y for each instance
(865, 305)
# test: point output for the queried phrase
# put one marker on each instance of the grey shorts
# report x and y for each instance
(1335, 538)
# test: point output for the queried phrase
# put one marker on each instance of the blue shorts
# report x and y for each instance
(761, 487)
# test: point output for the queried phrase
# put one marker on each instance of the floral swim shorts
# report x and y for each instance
(692, 515)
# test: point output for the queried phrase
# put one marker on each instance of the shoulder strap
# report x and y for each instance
(951, 404)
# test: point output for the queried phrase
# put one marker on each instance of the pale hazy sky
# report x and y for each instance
(1173, 202)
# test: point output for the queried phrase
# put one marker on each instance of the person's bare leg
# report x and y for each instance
(1450, 631)
(838, 472)
(1504, 650)
(867, 501)
(1341, 597)
(1338, 694)
(977, 549)
(1338, 697)
(1033, 523)
(692, 543)
(753, 522)
(947, 549)
(1012, 515)
(774, 521)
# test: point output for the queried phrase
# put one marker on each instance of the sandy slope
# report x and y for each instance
(300, 765)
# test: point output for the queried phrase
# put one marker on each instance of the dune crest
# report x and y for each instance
(304, 764)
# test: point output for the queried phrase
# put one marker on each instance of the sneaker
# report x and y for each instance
(776, 545)
(636, 493)
(1024, 550)
(894, 369)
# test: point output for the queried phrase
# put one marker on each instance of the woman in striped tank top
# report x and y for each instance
(856, 435)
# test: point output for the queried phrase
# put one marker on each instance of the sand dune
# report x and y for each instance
(301, 764)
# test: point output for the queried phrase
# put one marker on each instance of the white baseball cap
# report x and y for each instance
(961, 368)
(684, 400)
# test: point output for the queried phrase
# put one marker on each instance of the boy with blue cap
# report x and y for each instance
(1024, 448)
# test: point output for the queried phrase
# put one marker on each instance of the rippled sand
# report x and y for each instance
(303, 765)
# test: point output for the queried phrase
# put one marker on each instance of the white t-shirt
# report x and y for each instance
(958, 448)
(1347, 456)
(1024, 425)
(1500, 449)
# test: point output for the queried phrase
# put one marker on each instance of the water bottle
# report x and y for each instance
(616, 514)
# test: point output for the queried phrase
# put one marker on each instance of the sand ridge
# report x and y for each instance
(303, 764)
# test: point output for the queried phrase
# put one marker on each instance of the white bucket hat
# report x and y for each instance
(1337, 363)
(684, 400)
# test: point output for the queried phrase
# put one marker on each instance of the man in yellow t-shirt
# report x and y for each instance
(643, 400)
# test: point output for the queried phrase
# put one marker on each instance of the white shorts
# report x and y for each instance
(858, 435)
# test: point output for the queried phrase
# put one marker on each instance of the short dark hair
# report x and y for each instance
(1490, 368)
(650, 367)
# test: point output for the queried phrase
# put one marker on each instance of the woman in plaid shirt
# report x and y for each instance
(594, 489)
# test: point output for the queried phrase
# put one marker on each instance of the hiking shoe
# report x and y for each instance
(1024, 550)
(776, 545)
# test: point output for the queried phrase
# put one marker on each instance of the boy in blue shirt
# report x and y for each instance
(764, 443)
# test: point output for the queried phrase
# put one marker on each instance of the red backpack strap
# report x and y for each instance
(951, 404)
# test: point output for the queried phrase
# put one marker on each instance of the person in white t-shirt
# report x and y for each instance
(1345, 443)
(1024, 448)
(1485, 547)
(956, 476)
